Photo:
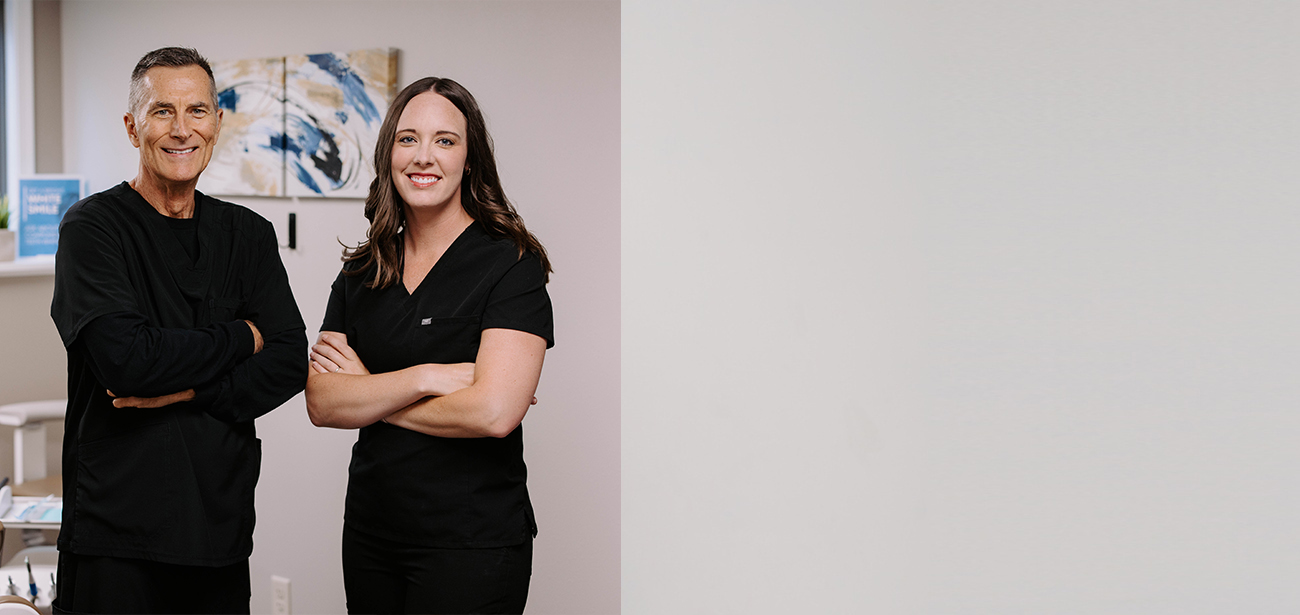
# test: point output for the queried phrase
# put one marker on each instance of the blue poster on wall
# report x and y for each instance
(42, 201)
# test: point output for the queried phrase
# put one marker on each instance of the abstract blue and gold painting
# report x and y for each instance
(302, 125)
(249, 157)
(334, 104)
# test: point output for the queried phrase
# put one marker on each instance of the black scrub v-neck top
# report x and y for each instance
(428, 490)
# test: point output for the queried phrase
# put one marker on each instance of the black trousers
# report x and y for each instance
(93, 584)
(383, 576)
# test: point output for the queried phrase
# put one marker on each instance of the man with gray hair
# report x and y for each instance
(180, 329)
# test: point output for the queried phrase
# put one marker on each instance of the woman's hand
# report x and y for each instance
(446, 378)
(331, 353)
(507, 368)
(356, 398)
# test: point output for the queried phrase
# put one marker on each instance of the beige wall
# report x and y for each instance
(32, 364)
(547, 77)
(47, 57)
(32, 367)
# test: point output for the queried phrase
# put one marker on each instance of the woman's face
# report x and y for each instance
(429, 152)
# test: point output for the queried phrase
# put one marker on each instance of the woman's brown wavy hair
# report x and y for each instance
(481, 194)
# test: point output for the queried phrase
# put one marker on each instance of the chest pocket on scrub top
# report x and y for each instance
(447, 340)
(225, 309)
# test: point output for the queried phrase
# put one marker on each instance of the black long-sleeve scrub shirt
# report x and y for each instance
(142, 316)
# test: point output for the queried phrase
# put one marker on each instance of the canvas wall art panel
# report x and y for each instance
(334, 104)
(249, 157)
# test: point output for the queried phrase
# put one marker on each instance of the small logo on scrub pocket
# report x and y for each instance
(425, 321)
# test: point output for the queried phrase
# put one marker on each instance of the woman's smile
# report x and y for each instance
(423, 180)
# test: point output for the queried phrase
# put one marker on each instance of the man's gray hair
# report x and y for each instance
(176, 57)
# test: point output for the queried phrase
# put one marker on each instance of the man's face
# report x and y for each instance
(176, 126)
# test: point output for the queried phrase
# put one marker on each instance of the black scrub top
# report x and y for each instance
(140, 316)
(428, 490)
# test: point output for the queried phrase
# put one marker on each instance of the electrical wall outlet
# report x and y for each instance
(281, 598)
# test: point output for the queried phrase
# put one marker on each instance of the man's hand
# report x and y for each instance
(257, 336)
(155, 402)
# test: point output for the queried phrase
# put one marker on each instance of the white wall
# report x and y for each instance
(547, 77)
(961, 307)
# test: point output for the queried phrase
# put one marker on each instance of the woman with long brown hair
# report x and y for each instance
(432, 346)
